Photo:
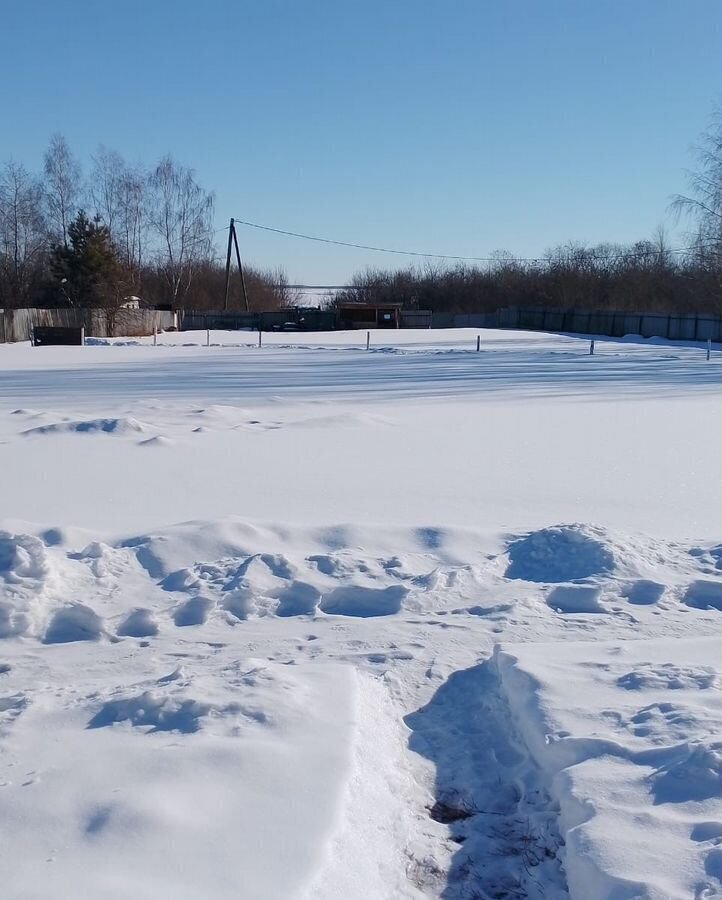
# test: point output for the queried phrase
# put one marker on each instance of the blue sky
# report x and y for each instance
(453, 127)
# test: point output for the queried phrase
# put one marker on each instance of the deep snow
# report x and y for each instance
(434, 623)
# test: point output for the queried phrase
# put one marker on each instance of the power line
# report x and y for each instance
(318, 287)
(322, 240)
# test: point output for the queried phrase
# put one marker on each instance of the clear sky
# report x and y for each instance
(457, 127)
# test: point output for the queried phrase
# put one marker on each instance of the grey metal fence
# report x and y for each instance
(16, 324)
(613, 323)
(302, 318)
(689, 327)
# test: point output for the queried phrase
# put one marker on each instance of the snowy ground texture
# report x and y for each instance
(312, 622)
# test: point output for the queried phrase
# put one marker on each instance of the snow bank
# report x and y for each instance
(225, 573)
(628, 736)
(123, 425)
(178, 786)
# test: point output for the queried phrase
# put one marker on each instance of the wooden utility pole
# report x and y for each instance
(240, 267)
(228, 264)
(233, 242)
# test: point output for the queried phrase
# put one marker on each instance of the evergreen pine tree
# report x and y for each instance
(87, 271)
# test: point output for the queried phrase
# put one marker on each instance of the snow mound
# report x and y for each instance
(22, 559)
(254, 585)
(668, 676)
(53, 537)
(694, 775)
(139, 623)
(241, 603)
(264, 584)
(13, 621)
(709, 558)
(74, 622)
(560, 553)
(298, 599)
(111, 342)
(116, 426)
(24, 571)
(575, 598)
(704, 595)
(363, 602)
(627, 736)
(10, 709)
(99, 557)
(643, 592)
(291, 572)
(192, 612)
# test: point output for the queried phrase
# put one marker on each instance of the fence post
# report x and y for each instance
(478, 343)
(260, 338)
(368, 339)
(591, 347)
(155, 337)
(82, 336)
(208, 337)
(709, 347)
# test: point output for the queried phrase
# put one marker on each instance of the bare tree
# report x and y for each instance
(63, 186)
(181, 219)
(118, 195)
(22, 235)
(104, 186)
(703, 203)
(283, 294)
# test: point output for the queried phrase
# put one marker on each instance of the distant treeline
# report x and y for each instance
(649, 275)
(645, 276)
(69, 238)
(120, 230)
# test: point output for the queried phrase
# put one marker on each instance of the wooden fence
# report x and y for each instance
(16, 324)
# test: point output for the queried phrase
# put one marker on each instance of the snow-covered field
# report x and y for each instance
(308, 621)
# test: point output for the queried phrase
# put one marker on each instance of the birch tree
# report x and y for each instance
(63, 187)
(22, 235)
(181, 219)
(703, 202)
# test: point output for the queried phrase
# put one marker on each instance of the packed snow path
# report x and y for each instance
(438, 623)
